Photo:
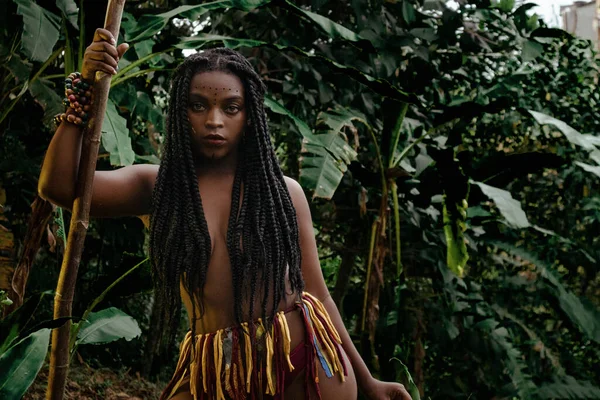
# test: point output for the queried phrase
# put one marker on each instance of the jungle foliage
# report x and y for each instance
(450, 149)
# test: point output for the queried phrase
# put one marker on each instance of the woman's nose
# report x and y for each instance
(214, 118)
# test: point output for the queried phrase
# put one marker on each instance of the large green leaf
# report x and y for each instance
(115, 137)
(21, 363)
(583, 315)
(380, 86)
(20, 68)
(107, 326)
(569, 388)
(148, 25)
(326, 155)
(588, 142)
(148, 111)
(16, 322)
(40, 30)
(405, 377)
(531, 50)
(46, 97)
(321, 173)
(331, 28)
(509, 208)
(276, 107)
(594, 169)
(69, 10)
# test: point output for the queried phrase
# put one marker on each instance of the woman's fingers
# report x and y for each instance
(102, 34)
(92, 65)
(105, 47)
(104, 57)
(121, 49)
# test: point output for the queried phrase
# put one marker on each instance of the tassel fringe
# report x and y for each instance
(225, 365)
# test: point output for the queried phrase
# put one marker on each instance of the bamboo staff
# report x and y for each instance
(63, 299)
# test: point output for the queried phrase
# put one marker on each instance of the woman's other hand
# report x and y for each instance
(378, 390)
(102, 55)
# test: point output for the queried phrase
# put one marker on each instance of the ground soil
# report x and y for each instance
(86, 383)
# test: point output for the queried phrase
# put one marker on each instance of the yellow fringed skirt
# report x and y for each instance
(226, 365)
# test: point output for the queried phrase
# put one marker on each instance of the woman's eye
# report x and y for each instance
(197, 106)
(232, 109)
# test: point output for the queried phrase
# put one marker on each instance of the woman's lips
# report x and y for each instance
(214, 140)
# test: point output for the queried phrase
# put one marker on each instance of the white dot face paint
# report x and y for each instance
(217, 113)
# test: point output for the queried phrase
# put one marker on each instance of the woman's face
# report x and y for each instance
(217, 114)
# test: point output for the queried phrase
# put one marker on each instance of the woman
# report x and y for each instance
(230, 236)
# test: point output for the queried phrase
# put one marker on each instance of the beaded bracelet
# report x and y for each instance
(78, 101)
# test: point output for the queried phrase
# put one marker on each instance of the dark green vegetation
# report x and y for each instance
(453, 157)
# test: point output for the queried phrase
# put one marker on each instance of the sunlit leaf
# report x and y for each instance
(107, 326)
(454, 231)
(588, 142)
(594, 169)
(509, 208)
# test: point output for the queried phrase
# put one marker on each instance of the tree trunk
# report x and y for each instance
(63, 299)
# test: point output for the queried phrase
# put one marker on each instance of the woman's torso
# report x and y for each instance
(218, 295)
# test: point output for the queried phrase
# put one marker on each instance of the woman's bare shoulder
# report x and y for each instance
(296, 191)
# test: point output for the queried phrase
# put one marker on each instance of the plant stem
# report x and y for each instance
(140, 62)
(419, 140)
(137, 73)
(379, 159)
(369, 266)
(397, 228)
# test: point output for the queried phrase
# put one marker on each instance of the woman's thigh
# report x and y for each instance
(183, 392)
(330, 388)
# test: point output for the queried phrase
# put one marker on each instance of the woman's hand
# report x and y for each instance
(102, 55)
(378, 390)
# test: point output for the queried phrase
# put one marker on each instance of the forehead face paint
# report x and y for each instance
(215, 91)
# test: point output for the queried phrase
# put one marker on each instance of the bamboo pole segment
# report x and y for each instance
(63, 299)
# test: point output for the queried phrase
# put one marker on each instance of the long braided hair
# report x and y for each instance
(262, 239)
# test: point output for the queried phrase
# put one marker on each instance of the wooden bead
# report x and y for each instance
(70, 92)
(83, 100)
(72, 98)
(78, 110)
(78, 121)
(86, 108)
(76, 104)
(71, 118)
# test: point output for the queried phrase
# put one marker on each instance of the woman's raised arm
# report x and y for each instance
(125, 191)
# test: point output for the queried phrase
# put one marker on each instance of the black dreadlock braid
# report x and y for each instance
(262, 239)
